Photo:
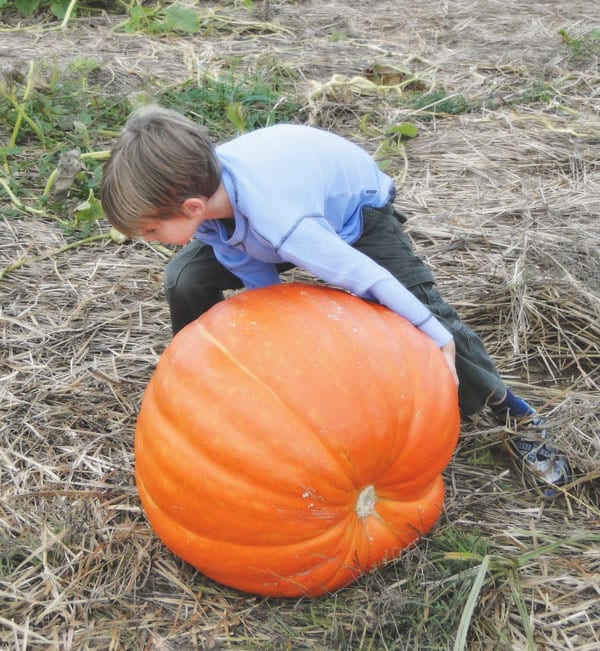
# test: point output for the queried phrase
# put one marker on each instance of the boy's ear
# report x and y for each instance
(194, 207)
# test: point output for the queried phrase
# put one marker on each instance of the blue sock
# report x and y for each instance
(517, 407)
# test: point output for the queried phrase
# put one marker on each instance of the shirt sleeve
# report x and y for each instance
(253, 273)
(315, 247)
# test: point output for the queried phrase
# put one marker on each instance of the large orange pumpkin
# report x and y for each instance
(293, 437)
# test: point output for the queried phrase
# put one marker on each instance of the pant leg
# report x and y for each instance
(194, 282)
(479, 380)
(383, 239)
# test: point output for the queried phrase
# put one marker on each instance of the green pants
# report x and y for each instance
(195, 281)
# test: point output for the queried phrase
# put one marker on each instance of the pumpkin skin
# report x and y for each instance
(293, 438)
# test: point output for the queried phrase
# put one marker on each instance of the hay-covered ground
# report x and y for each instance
(503, 199)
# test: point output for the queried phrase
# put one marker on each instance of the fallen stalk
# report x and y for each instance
(68, 13)
(21, 262)
(21, 107)
(17, 203)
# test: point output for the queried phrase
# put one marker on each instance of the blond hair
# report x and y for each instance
(159, 160)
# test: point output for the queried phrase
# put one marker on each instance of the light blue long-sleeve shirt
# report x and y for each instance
(297, 194)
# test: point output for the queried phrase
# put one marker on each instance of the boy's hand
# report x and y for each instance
(449, 352)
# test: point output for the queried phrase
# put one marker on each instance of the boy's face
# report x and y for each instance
(178, 229)
(175, 230)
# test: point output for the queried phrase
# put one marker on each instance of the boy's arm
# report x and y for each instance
(314, 246)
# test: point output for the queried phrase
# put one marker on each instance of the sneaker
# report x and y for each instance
(548, 465)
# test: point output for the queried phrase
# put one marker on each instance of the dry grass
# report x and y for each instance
(504, 202)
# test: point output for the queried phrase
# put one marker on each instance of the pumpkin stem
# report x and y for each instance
(365, 505)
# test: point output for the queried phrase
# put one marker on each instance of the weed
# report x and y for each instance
(584, 47)
(62, 124)
(158, 19)
(461, 544)
(28, 7)
(438, 104)
(50, 113)
(154, 19)
(538, 91)
(233, 104)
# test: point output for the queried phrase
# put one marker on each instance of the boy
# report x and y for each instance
(286, 196)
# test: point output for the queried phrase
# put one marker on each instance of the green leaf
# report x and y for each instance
(89, 211)
(139, 18)
(460, 643)
(404, 131)
(59, 8)
(27, 7)
(181, 19)
(10, 151)
(236, 115)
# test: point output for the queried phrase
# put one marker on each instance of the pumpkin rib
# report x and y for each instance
(381, 330)
(341, 566)
(299, 313)
(420, 471)
(368, 536)
(381, 503)
(412, 506)
(152, 504)
(320, 577)
(357, 537)
(329, 541)
(416, 465)
(339, 480)
(297, 416)
(225, 465)
(159, 467)
(417, 515)
(171, 412)
(350, 567)
(353, 565)
(427, 364)
(340, 571)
